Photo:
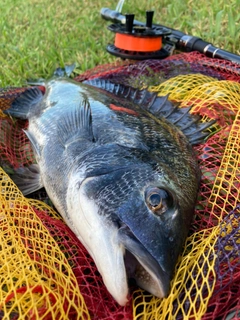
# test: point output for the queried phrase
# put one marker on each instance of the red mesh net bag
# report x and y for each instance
(47, 274)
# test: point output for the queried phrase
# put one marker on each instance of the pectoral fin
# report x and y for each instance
(76, 125)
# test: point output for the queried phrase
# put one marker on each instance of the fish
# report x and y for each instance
(119, 166)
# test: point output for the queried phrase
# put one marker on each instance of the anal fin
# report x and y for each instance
(27, 179)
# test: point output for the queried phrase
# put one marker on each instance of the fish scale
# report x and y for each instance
(118, 165)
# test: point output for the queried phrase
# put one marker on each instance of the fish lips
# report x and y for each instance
(141, 265)
(154, 242)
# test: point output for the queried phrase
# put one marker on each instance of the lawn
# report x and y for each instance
(36, 36)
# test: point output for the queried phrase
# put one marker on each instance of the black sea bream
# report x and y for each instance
(119, 167)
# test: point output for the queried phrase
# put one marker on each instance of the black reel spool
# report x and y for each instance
(138, 42)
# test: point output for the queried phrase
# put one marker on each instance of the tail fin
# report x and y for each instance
(64, 72)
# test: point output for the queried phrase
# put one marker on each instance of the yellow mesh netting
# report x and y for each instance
(198, 249)
(195, 275)
(36, 279)
(178, 87)
(225, 193)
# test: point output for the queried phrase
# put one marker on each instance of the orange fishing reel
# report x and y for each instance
(138, 42)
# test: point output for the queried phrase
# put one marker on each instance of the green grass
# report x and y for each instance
(36, 36)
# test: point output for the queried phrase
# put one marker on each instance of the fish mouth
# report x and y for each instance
(142, 266)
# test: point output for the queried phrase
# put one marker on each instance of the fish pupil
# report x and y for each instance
(158, 200)
(154, 200)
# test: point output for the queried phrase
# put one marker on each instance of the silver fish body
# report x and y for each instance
(121, 174)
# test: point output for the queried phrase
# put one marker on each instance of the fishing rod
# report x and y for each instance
(172, 39)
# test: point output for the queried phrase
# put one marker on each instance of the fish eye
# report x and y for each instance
(158, 200)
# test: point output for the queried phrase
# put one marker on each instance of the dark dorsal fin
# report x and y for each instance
(159, 106)
(25, 104)
(76, 125)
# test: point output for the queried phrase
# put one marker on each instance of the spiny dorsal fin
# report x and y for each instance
(76, 125)
(159, 106)
(141, 97)
(25, 104)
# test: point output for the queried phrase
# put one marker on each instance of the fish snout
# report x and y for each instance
(153, 239)
(142, 266)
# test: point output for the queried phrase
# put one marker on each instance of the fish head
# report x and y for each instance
(153, 232)
(133, 221)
